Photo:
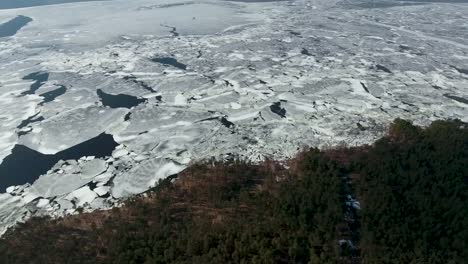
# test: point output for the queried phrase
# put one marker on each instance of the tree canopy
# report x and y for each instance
(412, 186)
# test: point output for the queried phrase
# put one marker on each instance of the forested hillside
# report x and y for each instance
(412, 186)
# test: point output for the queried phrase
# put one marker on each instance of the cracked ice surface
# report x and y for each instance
(250, 79)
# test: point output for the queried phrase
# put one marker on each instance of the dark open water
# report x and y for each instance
(12, 26)
(25, 165)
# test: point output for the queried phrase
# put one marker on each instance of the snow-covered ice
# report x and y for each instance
(82, 196)
(214, 78)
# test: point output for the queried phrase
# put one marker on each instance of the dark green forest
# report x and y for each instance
(412, 186)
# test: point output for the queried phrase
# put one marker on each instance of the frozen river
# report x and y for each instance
(101, 99)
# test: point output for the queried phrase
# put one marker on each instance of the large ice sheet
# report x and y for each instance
(71, 128)
(143, 176)
(94, 23)
(68, 178)
(11, 210)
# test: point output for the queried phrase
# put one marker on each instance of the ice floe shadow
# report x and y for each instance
(25, 165)
(30, 120)
(457, 98)
(51, 95)
(119, 100)
(460, 70)
(222, 119)
(168, 61)
(277, 109)
(39, 78)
